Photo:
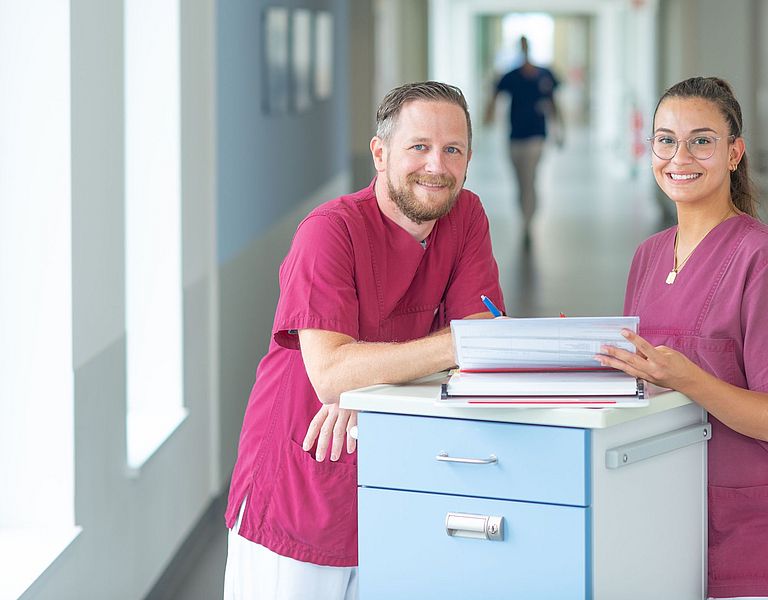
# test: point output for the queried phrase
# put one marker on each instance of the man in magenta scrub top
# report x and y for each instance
(367, 291)
(701, 291)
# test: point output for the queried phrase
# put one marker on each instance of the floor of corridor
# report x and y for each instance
(589, 221)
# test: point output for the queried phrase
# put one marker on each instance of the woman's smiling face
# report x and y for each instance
(685, 178)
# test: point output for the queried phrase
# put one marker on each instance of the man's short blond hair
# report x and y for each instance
(431, 91)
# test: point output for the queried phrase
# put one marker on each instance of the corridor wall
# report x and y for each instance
(272, 168)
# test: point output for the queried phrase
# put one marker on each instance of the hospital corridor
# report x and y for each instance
(156, 159)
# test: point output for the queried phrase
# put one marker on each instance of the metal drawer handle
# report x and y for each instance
(443, 456)
(479, 527)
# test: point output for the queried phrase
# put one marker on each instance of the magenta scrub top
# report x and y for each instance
(351, 270)
(716, 313)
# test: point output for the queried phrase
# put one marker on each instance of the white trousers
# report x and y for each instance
(255, 573)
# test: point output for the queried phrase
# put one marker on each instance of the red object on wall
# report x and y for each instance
(638, 145)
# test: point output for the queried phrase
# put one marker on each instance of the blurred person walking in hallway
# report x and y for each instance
(531, 90)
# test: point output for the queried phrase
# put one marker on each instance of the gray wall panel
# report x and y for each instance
(268, 164)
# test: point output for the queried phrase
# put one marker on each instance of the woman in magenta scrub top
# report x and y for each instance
(701, 291)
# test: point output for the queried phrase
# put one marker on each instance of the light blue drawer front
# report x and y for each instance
(534, 463)
(405, 551)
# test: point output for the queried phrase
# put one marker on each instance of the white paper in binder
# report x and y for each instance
(540, 362)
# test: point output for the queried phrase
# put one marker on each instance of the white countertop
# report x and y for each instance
(418, 398)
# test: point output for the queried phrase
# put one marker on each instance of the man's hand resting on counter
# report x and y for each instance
(330, 426)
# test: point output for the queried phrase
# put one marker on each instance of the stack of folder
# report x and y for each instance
(540, 362)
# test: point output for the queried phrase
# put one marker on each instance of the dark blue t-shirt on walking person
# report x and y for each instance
(531, 90)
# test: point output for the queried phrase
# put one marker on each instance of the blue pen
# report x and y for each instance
(491, 306)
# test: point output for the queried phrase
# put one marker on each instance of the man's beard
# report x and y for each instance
(412, 207)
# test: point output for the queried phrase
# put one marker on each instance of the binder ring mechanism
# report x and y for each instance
(479, 527)
(444, 457)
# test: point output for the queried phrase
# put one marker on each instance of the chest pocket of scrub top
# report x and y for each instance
(407, 323)
(715, 355)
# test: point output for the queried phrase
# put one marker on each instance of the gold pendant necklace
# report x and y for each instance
(675, 266)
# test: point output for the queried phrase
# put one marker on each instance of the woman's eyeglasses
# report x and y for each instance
(701, 147)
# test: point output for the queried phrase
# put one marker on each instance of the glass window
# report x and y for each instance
(36, 376)
(152, 226)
